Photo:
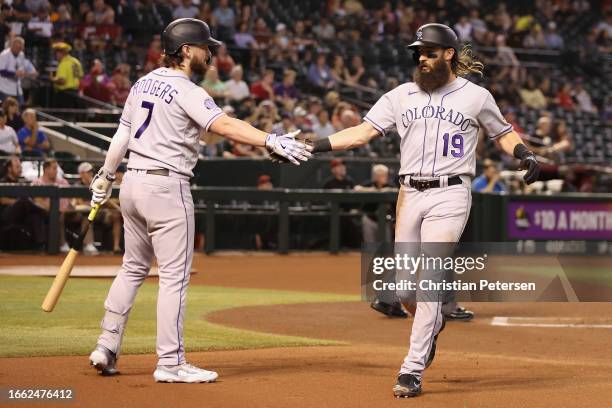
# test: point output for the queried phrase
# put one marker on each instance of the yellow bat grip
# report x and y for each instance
(93, 212)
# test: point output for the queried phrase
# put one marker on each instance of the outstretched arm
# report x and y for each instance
(348, 138)
(282, 145)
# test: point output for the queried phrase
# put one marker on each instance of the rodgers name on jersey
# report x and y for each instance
(154, 87)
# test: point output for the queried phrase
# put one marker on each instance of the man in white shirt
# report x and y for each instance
(14, 66)
(237, 89)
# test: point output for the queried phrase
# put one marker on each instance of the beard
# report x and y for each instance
(198, 66)
(435, 78)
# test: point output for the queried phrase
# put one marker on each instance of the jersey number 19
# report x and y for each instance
(457, 145)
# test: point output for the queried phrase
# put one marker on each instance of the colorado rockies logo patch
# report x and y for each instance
(419, 35)
(209, 103)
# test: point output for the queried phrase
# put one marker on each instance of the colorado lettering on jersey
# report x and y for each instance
(436, 112)
(160, 89)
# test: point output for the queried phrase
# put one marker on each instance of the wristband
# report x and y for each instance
(322, 145)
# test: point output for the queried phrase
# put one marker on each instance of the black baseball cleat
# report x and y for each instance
(407, 386)
(432, 352)
(394, 309)
(459, 313)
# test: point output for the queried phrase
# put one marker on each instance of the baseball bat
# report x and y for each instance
(64, 271)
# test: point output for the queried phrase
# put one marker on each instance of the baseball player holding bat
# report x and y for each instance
(438, 117)
(160, 126)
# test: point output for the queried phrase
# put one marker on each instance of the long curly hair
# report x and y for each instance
(464, 63)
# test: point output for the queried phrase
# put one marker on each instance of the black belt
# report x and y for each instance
(156, 172)
(423, 185)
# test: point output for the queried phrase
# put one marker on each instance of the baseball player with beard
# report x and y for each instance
(160, 126)
(438, 117)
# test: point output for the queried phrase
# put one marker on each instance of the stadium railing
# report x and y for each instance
(489, 219)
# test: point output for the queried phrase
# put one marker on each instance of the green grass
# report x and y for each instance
(73, 327)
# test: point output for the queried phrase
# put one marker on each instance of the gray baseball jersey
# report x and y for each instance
(165, 112)
(438, 130)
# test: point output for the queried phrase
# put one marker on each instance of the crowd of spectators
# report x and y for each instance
(287, 66)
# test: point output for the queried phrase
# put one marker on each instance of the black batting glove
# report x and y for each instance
(528, 162)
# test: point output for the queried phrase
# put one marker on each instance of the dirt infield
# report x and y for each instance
(477, 364)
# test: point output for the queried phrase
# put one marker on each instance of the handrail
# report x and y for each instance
(89, 132)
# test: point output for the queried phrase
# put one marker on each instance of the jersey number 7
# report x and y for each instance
(143, 127)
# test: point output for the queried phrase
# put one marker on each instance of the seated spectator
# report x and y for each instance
(344, 116)
(153, 54)
(535, 38)
(63, 26)
(286, 125)
(185, 10)
(510, 117)
(324, 30)
(263, 89)
(23, 223)
(339, 71)
(213, 85)
(281, 40)
(67, 215)
(237, 89)
(286, 89)
(223, 61)
(532, 96)
(323, 127)
(339, 179)
(552, 38)
(103, 13)
(9, 143)
(564, 97)
(543, 127)
(369, 220)
(300, 120)
(13, 113)
(40, 26)
(121, 84)
(244, 39)
(479, 27)
(96, 84)
(356, 71)
(507, 59)
(582, 98)
(490, 180)
(463, 28)
(319, 75)
(261, 32)
(558, 142)
(32, 140)
(225, 20)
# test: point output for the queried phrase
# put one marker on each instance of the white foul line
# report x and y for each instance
(504, 321)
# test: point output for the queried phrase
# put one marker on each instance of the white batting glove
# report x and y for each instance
(101, 187)
(286, 146)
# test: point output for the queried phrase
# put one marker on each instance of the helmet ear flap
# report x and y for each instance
(416, 55)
